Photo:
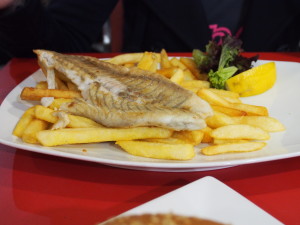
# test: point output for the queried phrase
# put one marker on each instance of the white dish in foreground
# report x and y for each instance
(208, 198)
(281, 100)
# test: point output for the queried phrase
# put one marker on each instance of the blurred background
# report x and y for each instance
(145, 25)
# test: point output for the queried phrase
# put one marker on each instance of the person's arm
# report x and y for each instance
(62, 25)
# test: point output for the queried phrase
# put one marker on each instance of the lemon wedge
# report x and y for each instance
(253, 81)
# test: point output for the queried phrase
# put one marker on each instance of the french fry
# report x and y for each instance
(164, 60)
(170, 140)
(101, 134)
(158, 150)
(57, 102)
(195, 83)
(188, 75)
(240, 131)
(207, 138)
(129, 65)
(24, 121)
(228, 141)
(146, 61)
(176, 63)
(29, 134)
(251, 110)
(191, 65)
(232, 100)
(225, 93)
(36, 94)
(232, 148)
(167, 72)
(229, 96)
(212, 98)
(228, 111)
(154, 64)
(126, 58)
(44, 113)
(177, 77)
(266, 123)
(193, 137)
(219, 119)
(215, 99)
(42, 85)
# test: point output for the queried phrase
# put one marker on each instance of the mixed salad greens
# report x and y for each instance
(221, 62)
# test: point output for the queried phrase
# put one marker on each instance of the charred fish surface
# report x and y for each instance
(117, 96)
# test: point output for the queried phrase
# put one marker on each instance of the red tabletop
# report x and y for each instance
(41, 189)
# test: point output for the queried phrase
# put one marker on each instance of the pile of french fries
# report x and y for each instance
(234, 127)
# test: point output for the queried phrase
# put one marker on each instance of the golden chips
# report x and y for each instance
(234, 127)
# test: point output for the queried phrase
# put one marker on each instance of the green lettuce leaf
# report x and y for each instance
(219, 77)
(222, 61)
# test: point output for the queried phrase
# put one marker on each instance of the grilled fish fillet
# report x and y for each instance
(117, 96)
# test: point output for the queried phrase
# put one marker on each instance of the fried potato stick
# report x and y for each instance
(170, 140)
(158, 150)
(29, 134)
(220, 119)
(232, 148)
(212, 98)
(193, 137)
(147, 62)
(167, 72)
(35, 94)
(23, 122)
(195, 83)
(228, 111)
(191, 65)
(266, 123)
(240, 131)
(229, 141)
(177, 77)
(207, 138)
(251, 110)
(225, 93)
(91, 135)
(46, 114)
(164, 59)
(42, 85)
(57, 102)
(129, 58)
(188, 75)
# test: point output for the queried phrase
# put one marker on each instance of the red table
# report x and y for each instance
(41, 189)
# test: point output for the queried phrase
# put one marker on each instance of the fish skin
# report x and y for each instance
(117, 96)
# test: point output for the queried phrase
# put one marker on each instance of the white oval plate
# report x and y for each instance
(282, 101)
